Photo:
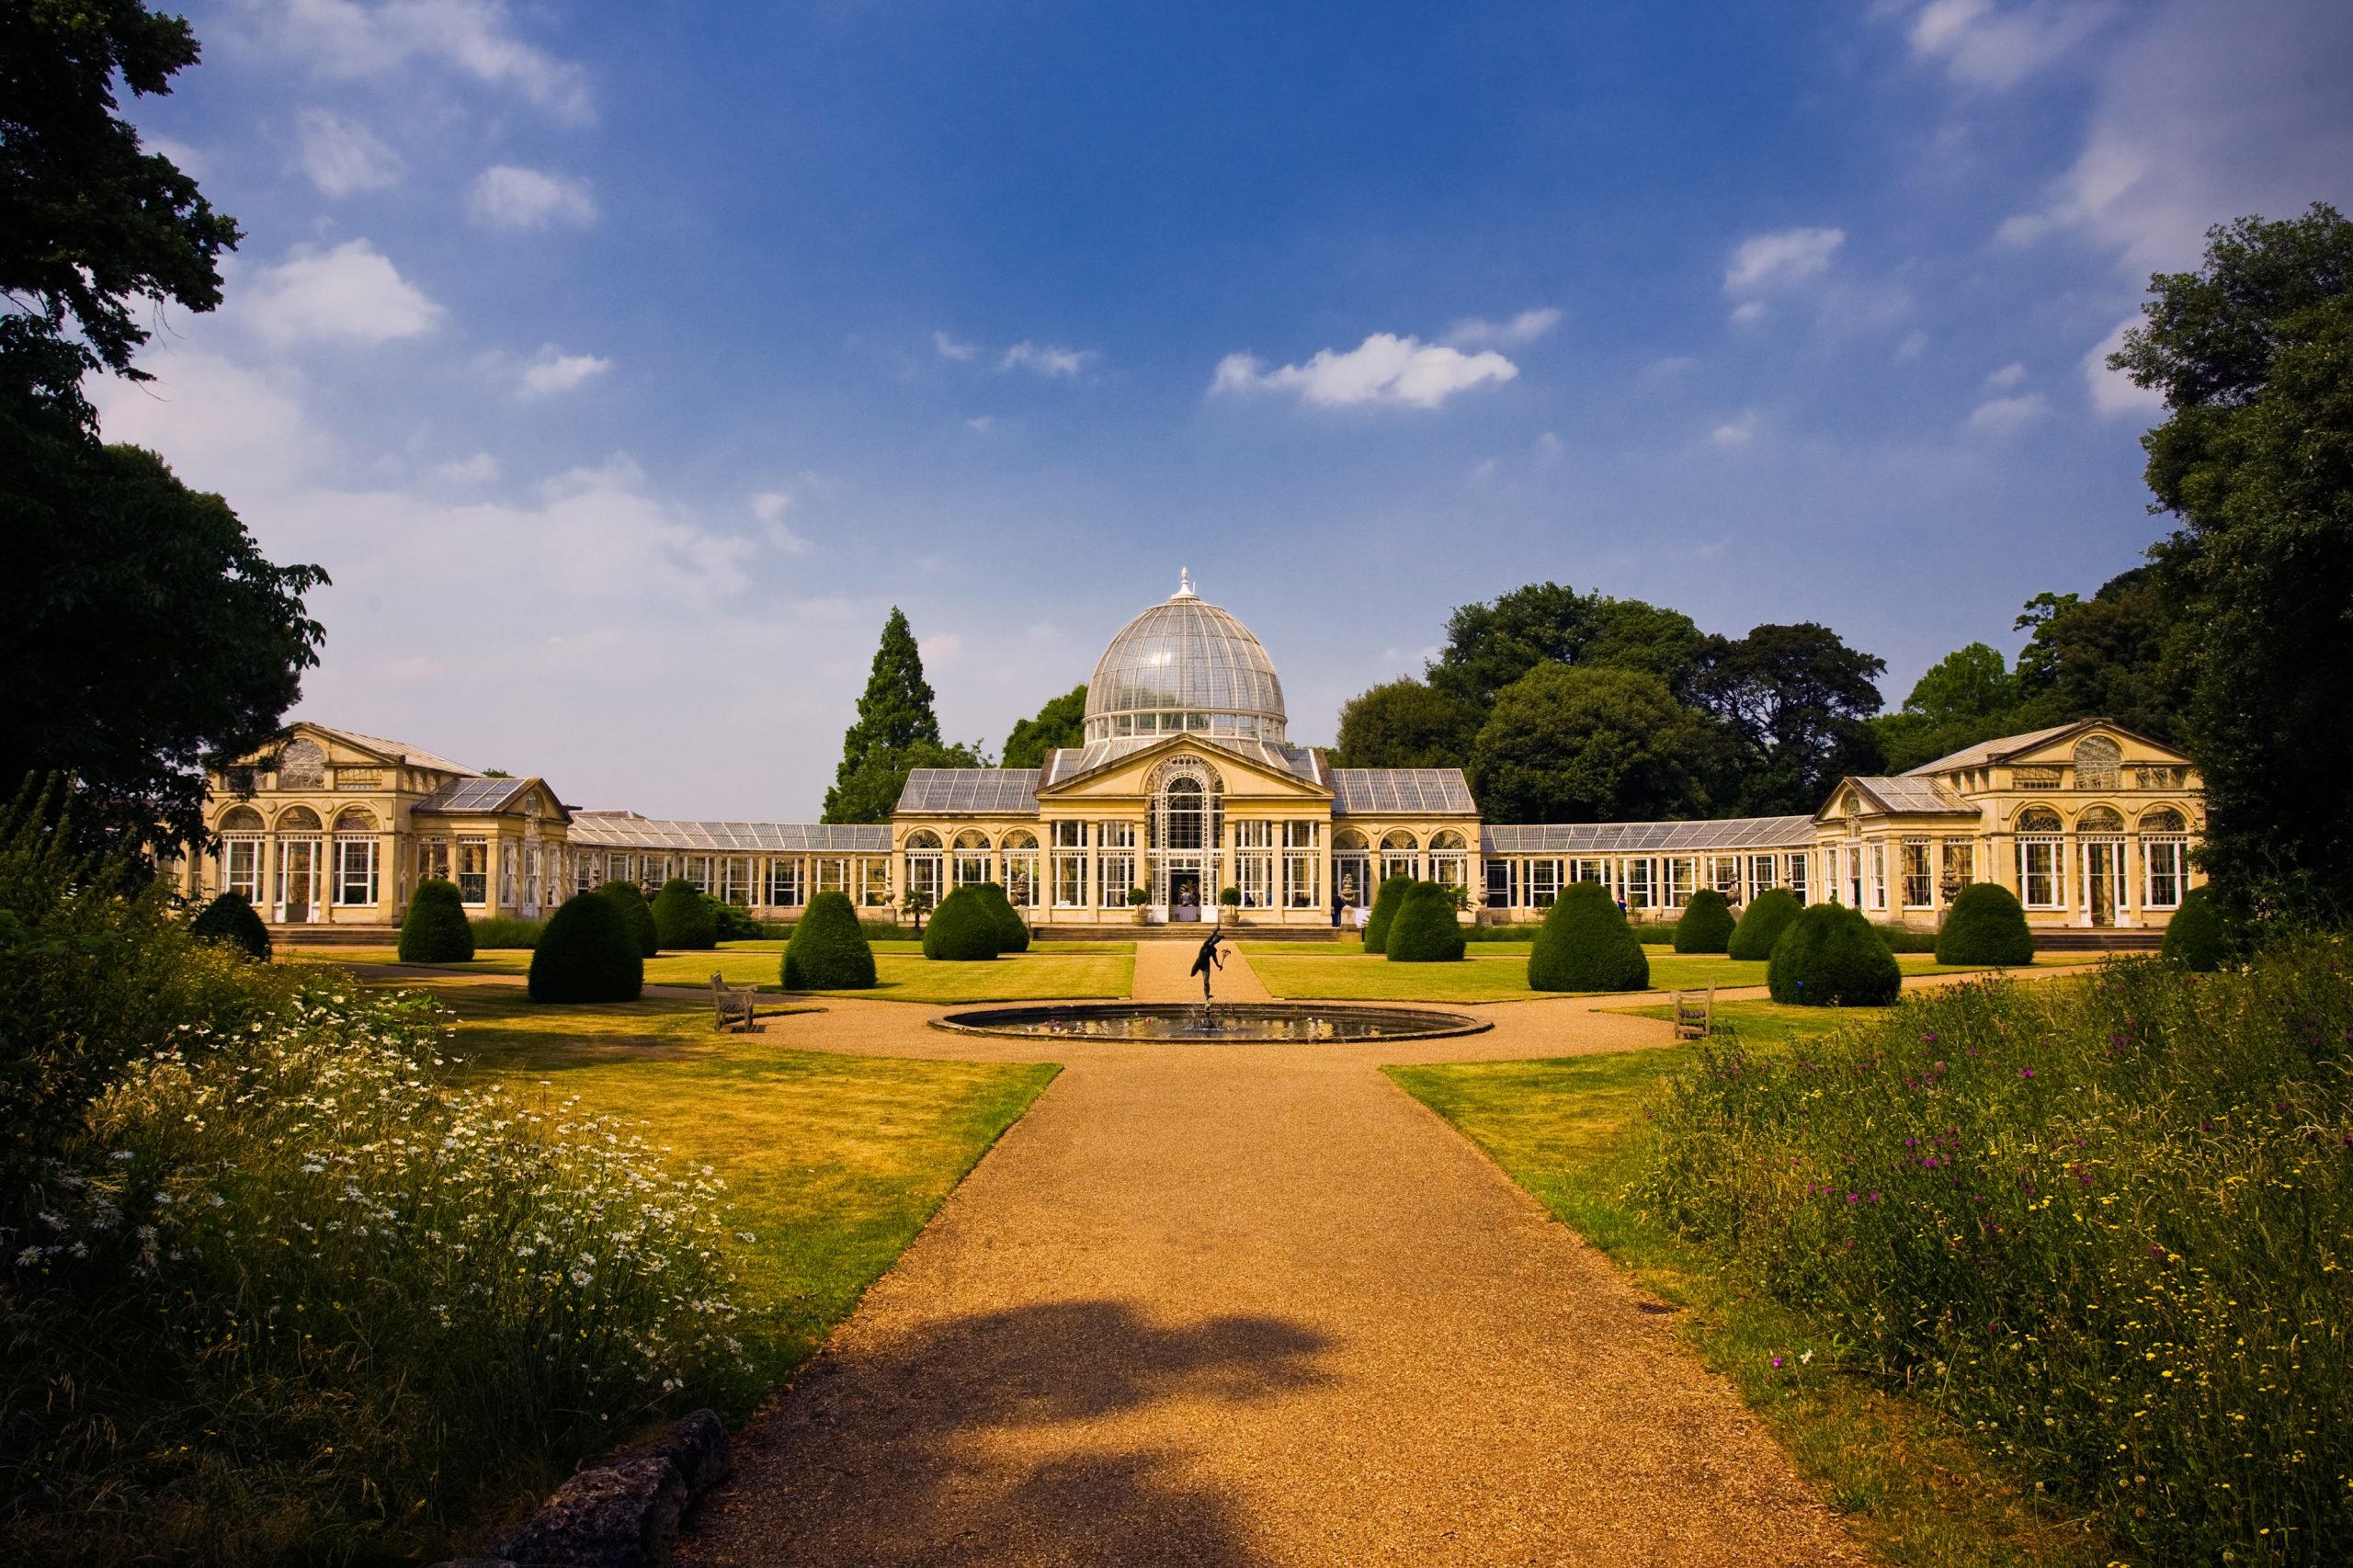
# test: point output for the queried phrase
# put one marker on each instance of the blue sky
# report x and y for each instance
(624, 364)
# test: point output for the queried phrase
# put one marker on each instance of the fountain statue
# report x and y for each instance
(1209, 959)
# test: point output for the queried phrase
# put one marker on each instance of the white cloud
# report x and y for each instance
(2007, 416)
(1045, 359)
(552, 371)
(1747, 314)
(2113, 392)
(1985, 45)
(507, 197)
(2207, 112)
(481, 468)
(1383, 369)
(1472, 332)
(219, 425)
(344, 37)
(1735, 432)
(351, 291)
(342, 156)
(951, 350)
(189, 161)
(769, 506)
(1764, 261)
(2008, 375)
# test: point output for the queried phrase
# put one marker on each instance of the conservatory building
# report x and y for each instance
(1187, 800)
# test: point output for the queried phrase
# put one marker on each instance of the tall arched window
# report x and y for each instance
(971, 857)
(353, 865)
(1351, 868)
(240, 853)
(1400, 854)
(240, 819)
(1021, 868)
(2042, 882)
(925, 867)
(1449, 860)
(2165, 819)
(2100, 819)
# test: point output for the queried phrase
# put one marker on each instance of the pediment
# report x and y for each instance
(2057, 750)
(1129, 775)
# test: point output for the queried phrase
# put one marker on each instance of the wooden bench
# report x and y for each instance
(1695, 1019)
(733, 1004)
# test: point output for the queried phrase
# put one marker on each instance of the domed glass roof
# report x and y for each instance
(1184, 665)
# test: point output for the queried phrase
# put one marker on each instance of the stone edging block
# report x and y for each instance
(624, 1515)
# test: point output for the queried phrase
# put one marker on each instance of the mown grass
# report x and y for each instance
(1768, 1023)
(1914, 1486)
(1487, 974)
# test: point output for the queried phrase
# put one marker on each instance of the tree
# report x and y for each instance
(145, 634)
(895, 733)
(1589, 745)
(1489, 646)
(2254, 356)
(1060, 723)
(1405, 723)
(2102, 657)
(1795, 700)
(1967, 697)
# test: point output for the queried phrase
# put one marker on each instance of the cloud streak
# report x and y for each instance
(1383, 370)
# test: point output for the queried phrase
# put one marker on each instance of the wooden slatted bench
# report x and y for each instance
(733, 1006)
(1695, 1019)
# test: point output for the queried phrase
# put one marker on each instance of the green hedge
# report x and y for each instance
(1586, 945)
(828, 950)
(588, 954)
(1830, 956)
(506, 931)
(2198, 938)
(1012, 931)
(732, 922)
(1901, 938)
(230, 918)
(1985, 926)
(1384, 911)
(962, 929)
(630, 899)
(682, 917)
(1707, 923)
(1426, 929)
(1761, 923)
(435, 929)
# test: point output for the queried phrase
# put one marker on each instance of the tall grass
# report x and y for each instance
(2107, 1224)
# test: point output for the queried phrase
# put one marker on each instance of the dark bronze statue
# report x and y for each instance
(1209, 959)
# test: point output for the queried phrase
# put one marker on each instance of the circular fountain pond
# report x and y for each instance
(1223, 1022)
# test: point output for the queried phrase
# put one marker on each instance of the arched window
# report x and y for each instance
(925, 867)
(2165, 819)
(1021, 839)
(1449, 860)
(1349, 841)
(240, 819)
(297, 819)
(970, 864)
(1446, 839)
(355, 819)
(2100, 819)
(1188, 798)
(2098, 763)
(2042, 878)
(2039, 819)
(303, 765)
(1400, 854)
(1021, 868)
(922, 838)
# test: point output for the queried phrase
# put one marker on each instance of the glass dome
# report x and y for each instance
(1185, 667)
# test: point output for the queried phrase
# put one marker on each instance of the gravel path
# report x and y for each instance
(1165, 973)
(1240, 1304)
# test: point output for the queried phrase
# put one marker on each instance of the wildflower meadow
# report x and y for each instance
(2107, 1224)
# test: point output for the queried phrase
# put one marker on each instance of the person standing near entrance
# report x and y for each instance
(1338, 903)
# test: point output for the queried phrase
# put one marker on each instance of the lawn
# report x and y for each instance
(1566, 1130)
(834, 1162)
(901, 973)
(1348, 974)
(1770, 1023)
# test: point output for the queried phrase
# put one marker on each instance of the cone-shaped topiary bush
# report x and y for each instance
(2198, 937)
(962, 930)
(1585, 944)
(1706, 926)
(828, 950)
(1012, 931)
(1830, 956)
(630, 899)
(230, 918)
(681, 919)
(1425, 930)
(588, 954)
(1384, 911)
(435, 929)
(1761, 925)
(1985, 926)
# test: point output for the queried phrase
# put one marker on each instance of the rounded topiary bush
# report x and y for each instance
(2197, 938)
(1830, 956)
(1985, 926)
(630, 899)
(1707, 923)
(588, 954)
(230, 918)
(1426, 929)
(1384, 911)
(1012, 931)
(1585, 944)
(682, 920)
(435, 929)
(1761, 925)
(828, 950)
(962, 930)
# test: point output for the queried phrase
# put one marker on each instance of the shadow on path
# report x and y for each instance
(1051, 1433)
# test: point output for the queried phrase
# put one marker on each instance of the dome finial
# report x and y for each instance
(1184, 584)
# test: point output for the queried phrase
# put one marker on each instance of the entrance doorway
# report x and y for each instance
(1184, 895)
(2103, 880)
(298, 870)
